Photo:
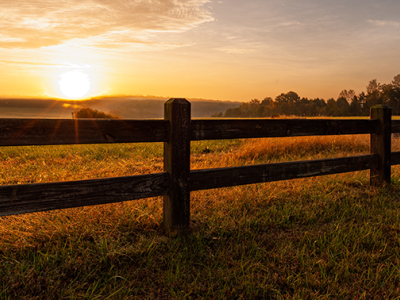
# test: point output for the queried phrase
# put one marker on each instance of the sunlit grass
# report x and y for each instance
(329, 237)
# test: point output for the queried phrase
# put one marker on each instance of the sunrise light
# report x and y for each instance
(74, 84)
(207, 49)
(217, 149)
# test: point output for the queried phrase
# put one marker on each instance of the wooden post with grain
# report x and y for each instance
(381, 144)
(177, 163)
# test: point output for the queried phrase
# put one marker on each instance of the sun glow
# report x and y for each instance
(74, 84)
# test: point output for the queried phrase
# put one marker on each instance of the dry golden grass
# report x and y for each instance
(271, 150)
(323, 237)
(23, 230)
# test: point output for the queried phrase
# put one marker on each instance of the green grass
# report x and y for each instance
(330, 237)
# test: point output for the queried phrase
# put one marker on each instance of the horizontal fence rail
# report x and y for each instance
(395, 126)
(395, 158)
(23, 132)
(241, 128)
(233, 176)
(177, 181)
(35, 197)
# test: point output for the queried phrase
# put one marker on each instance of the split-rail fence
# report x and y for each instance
(177, 130)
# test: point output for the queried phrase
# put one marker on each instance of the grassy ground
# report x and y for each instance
(331, 237)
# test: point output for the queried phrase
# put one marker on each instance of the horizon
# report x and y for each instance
(201, 49)
(101, 97)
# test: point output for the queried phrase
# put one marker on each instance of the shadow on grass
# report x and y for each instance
(342, 246)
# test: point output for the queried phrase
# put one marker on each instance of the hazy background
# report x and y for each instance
(125, 107)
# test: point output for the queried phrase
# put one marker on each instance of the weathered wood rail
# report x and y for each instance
(177, 130)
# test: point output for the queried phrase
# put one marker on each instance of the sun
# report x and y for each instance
(74, 84)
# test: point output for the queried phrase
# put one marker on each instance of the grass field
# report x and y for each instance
(330, 237)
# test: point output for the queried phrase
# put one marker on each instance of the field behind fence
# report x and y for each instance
(177, 130)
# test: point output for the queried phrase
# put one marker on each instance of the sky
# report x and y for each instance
(223, 50)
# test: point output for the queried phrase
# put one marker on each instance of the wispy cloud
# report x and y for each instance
(63, 65)
(9, 39)
(127, 40)
(27, 63)
(39, 23)
(232, 50)
(384, 23)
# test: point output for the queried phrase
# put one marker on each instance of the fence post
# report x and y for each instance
(176, 213)
(381, 144)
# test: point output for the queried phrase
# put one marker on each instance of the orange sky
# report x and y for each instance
(225, 50)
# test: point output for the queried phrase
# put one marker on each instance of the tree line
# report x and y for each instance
(348, 103)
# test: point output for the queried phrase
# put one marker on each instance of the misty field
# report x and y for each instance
(329, 237)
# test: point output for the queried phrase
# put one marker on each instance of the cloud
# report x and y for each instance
(126, 41)
(39, 23)
(384, 23)
(9, 39)
(232, 50)
(27, 63)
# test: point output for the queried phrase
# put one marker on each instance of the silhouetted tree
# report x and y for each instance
(355, 107)
(233, 113)
(331, 108)
(374, 95)
(347, 94)
(391, 94)
(286, 103)
(93, 113)
(347, 104)
(217, 115)
(343, 107)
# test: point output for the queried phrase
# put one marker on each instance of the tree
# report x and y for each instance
(260, 112)
(374, 95)
(233, 113)
(347, 94)
(395, 95)
(373, 86)
(254, 102)
(217, 115)
(391, 97)
(396, 81)
(304, 107)
(355, 106)
(92, 113)
(362, 98)
(286, 103)
(253, 106)
(267, 101)
(343, 107)
(268, 107)
(331, 108)
(320, 105)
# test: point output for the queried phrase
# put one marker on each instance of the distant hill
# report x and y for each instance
(125, 107)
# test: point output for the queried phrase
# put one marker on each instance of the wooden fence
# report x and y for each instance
(177, 130)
